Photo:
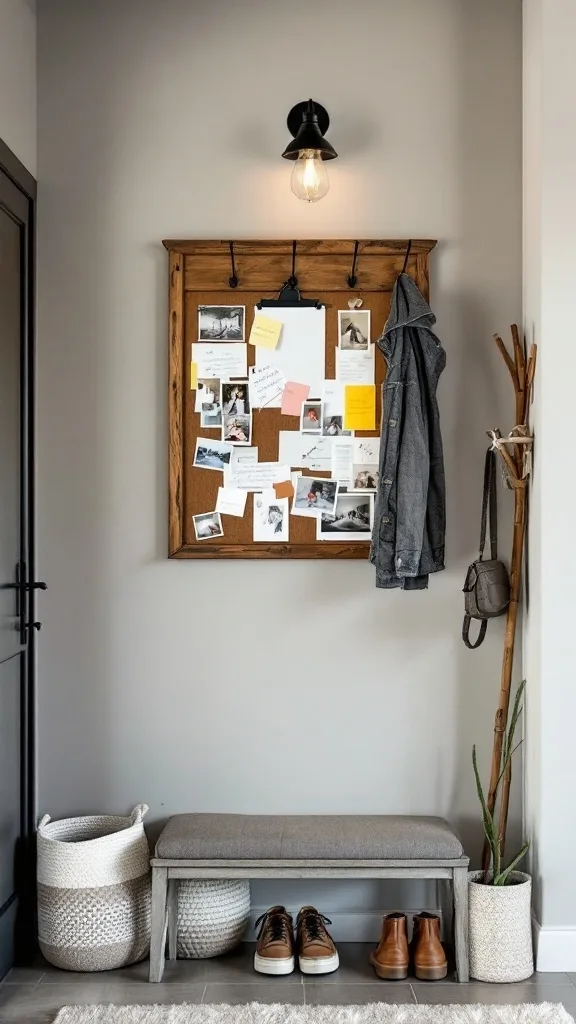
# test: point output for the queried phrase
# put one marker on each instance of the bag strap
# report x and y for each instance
(466, 633)
(489, 506)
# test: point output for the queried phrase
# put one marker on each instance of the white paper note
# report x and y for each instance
(244, 456)
(222, 360)
(301, 351)
(366, 450)
(259, 476)
(355, 367)
(333, 398)
(266, 384)
(342, 457)
(305, 450)
(271, 520)
(231, 501)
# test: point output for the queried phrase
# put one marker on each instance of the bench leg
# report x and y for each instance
(445, 903)
(173, 918)
(158, 933)
(461, 923)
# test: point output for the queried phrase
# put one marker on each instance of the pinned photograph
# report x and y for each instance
(364, 477)
(208, 525)
(354, 517)
(207, 393)
(333, 426)
(354, 330)
(211, 454)
(237, 429)
(314, 496)
(221, 323)
(271, 518)
(235, 398)
(311, 418)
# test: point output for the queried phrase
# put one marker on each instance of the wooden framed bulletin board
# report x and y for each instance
(199, 275)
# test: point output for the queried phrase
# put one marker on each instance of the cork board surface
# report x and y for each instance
(199, 273)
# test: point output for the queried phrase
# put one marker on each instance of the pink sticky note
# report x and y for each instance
(292, 398)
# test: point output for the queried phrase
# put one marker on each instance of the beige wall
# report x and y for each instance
(166, 119)
(18, 79)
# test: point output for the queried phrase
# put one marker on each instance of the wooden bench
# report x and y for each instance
(307, 846)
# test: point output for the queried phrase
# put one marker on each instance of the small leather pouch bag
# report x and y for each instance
(487, 586)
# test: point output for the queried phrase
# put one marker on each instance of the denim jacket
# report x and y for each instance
(410, 518)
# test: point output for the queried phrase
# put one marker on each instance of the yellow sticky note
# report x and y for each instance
(193, 376)
(265, 332)
(359, 407)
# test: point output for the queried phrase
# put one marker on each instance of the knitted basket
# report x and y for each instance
(212, 917)
(94, 891)
(500, 928)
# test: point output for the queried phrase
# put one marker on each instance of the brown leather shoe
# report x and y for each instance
(390, 960)
(317, 953)
(428, 954)
(275, 946)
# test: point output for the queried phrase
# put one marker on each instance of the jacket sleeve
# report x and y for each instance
(412, 482)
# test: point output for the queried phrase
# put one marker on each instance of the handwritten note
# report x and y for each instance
(266, 384)
(231, 501)
(355, 367)
(222, 360)
(259, 476)
(305, 450)
(342, 458)
(359, 407)
(292, 398)
(265, 331)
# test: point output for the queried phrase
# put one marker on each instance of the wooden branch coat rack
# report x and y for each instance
(515, 452)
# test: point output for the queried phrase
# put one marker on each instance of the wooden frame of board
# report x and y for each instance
(199, 275)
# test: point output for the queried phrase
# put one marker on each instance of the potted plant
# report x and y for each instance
(500, 898)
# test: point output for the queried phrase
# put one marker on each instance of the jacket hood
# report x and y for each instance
(408, 306)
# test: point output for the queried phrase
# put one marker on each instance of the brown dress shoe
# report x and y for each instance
(428, 954)
(390, 960)
(275, 946)
(317, 953)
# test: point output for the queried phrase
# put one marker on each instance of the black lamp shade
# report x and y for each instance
(309, 135)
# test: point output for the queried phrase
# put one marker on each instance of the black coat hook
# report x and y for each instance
(293, 280)
(233, 280)
(406, 256)
(353, 280)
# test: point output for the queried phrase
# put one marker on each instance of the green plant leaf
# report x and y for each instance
(487, 819)
(509, 739)
(503, 876)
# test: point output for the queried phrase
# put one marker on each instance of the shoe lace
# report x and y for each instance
(314, 923)
(277, 923)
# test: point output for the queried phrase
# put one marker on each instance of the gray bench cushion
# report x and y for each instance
(307, 837)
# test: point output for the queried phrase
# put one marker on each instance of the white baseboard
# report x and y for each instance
(347, 927)
(554, 948)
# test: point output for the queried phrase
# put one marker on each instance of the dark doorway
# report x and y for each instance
(17, 586)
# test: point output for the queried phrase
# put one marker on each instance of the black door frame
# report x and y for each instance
(26, 856)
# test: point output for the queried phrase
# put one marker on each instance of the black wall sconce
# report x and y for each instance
(308, 122)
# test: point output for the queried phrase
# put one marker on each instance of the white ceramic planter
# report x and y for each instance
(500, 929)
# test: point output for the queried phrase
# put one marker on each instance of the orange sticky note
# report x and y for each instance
(193, 376)
(359, 407)
(292, 398)
(284, 489)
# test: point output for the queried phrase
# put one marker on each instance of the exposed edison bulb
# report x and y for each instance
(309, 179)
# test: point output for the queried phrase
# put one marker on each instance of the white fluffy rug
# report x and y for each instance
(257, 1013)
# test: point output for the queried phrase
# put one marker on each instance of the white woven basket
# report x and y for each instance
(500, 929)
(94, 891)
(212, 917)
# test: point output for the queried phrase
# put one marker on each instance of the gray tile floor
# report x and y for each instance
(34, 995)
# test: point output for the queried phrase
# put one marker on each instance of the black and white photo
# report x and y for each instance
(311, 417)
(364, 477)
(353, 518)
(208, 400)
(221, 323)
(354, 330)
(237, 429)
(235, 397)
(212, 454)
(333, 426)
(208, 525)
(270, 518)
(314, 496)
